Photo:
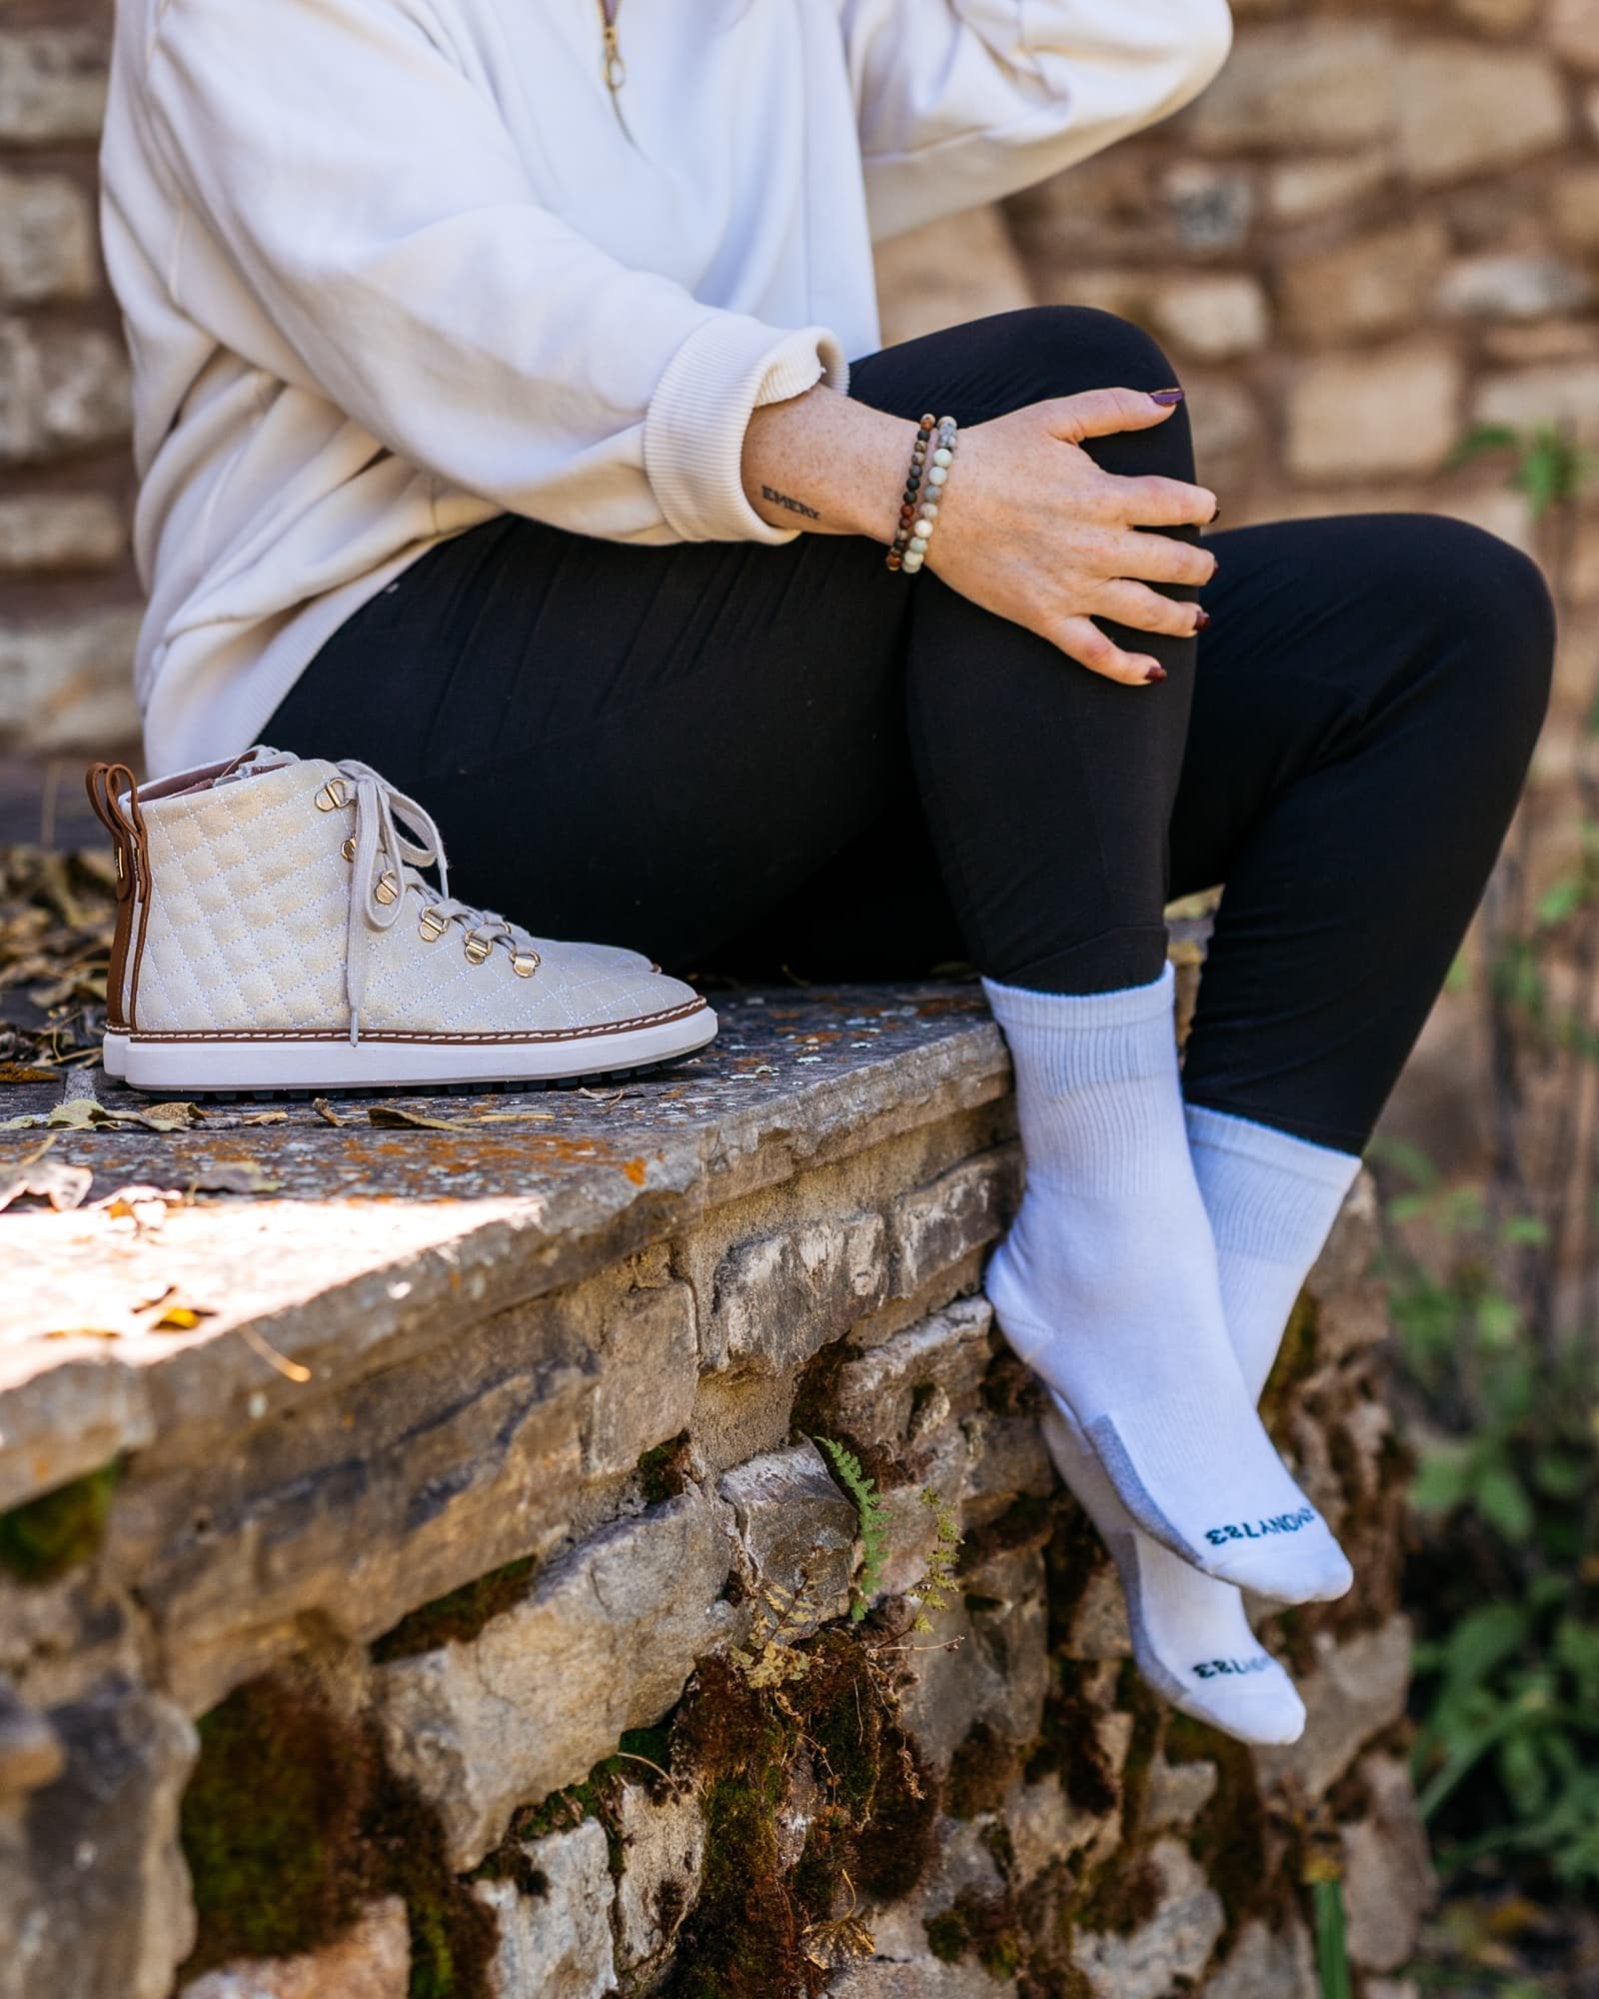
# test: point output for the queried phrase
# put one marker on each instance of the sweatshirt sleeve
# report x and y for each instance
(962, 101)
(354, 219)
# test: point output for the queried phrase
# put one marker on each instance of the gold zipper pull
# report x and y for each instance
(615, 68)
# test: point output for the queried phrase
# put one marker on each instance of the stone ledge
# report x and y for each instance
(372, 1237)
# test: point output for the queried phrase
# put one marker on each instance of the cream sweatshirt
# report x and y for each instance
(391, 267)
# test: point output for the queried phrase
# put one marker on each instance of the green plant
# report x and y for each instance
(1507, 1667)
(1550, 466)
(1332, 1948)
(1494, 1281)
(771, 1656)
(935, 1589)
(874, 1528)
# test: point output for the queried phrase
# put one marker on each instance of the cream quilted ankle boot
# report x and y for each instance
(274, 934)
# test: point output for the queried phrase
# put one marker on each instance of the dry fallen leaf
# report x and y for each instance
(394, 1114)
(76, 1114)
(164, 1117)
(49, 1180)
(145, 1207)
(174, 1313)
(20, 1072)
(56, 918)
(325, 1111)
(89, 1114)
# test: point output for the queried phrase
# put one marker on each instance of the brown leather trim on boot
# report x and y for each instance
(139, 846)
(96, 780)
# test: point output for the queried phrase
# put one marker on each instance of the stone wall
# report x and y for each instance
(68, 594)
(468, 1493)
(1379, 226)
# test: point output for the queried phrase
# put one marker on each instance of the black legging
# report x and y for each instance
(739, 756)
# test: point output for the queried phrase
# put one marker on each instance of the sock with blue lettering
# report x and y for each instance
(1272, 1199)
(1191, 1639)
(1108, 1285)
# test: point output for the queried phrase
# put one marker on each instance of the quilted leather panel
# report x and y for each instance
(247, 911)
(248, 923)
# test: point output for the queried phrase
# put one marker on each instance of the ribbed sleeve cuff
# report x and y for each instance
(694, 428)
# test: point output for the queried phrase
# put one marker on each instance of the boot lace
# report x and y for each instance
(394, 838)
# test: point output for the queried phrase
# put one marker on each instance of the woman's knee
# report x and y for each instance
(1065, 349)
(1493, 601)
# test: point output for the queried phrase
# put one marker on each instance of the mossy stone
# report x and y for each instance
(291, 1822)
(460, 1615)
(271, 1822)
(664, 1468)
(59, 1531)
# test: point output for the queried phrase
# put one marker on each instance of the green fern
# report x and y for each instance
(874, 1529)
(933, 1591)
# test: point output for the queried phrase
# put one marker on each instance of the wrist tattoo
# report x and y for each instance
(787, 500)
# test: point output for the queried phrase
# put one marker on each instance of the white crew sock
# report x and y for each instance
(1107, 1283)
(1272, 1200)
(1191, 1638)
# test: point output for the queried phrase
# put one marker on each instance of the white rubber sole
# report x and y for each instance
(375, 1063)
(114, 1049)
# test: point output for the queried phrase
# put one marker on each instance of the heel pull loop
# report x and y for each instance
(106, 783)
(139, 842)
(102, 799)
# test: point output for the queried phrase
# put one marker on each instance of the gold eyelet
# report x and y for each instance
(433, 926)
(477, 950)
(525, 963)
(388, 888)
(333, 796)
(348, 849)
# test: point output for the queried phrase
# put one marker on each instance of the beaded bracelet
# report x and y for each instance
(909, 498)
(931, 457)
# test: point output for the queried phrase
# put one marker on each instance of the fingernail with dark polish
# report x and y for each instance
(1167, 396)
(1155, 673)
(1201, 621)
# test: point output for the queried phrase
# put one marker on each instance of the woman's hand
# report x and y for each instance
(1032, 528)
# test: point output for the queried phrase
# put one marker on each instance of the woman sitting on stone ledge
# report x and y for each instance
(510, 424)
